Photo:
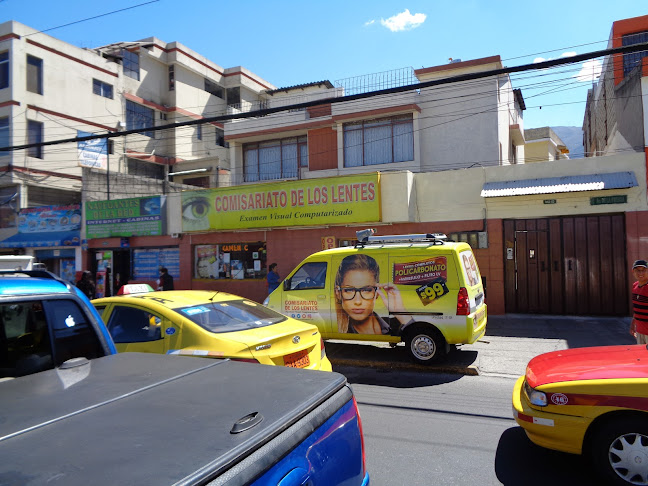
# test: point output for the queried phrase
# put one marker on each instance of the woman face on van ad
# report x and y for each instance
(358, 294)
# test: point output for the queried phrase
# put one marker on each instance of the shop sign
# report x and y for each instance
(92, 153)
(335, 200)
(49, 219)
(618, 199)
(138, 216)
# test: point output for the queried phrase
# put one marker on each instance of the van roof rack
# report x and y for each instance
(365, 237)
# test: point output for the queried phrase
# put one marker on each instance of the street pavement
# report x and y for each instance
(511, 340)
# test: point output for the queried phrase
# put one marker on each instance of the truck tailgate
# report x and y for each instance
(150, 419)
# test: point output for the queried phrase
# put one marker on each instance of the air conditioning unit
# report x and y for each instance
(175, 235)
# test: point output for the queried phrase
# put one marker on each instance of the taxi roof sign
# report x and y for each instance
(130, 289)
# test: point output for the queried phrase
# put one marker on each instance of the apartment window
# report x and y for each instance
(4, 70)
(197, 181)
(199, 132)
(34, 75)
(146, 169)
(382, 141)
(275, 159)
(213, 88)
(220, 137)
(633, 59)
(4, 132)
(234, 96)
(35, 135)
(131, 64)
(139, 117)
(102, 89)
(171, 77)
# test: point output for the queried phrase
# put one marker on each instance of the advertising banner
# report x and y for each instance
(335, 200)
(49, 219)
(92, 153)
(147, 262)
(138, 216)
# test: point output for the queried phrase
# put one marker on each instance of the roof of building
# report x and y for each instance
(458, 64)
(550, 185)
(543, 133)
(325, 82)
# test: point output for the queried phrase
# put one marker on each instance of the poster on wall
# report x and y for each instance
(147, 262)
(100, 285)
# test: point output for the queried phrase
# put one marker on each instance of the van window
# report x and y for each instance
(470, 269)
(309, 276)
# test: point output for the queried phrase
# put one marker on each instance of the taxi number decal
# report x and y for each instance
(432, 290)
(195, 310)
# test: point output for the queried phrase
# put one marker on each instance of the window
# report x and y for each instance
(146, 169)
(633, 59)
(380, 141)
(102, 89)
(4, 70)
(234, 96)
(275, 159)
(139, 117)
(220, 137)
(199, 132)
(34, 135)
(132, 325)
(171, 77)
(231, 316)
(74, 336)
(131, 64)
(4, 132)
(309, 276)
(34, 74)
(216, 90)
(197, 181)
(230, 260)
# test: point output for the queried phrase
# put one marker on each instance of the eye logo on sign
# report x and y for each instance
(432, 291)
(559, 399)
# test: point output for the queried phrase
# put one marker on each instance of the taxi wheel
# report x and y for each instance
(619, 449)
(425, 345)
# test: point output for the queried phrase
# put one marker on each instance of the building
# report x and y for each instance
(543, 144)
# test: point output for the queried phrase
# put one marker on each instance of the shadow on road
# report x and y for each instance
(395, 378)
(520, 461)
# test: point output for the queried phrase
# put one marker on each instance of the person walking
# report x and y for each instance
(273, 278)
(86, 285)
(166, 280)
(639, 326)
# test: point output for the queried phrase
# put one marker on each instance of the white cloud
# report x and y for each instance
(590, 71)
(539, 59)
(404, 21)
(369, 22)
(568, 54)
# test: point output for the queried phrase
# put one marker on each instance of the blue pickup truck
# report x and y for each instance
(72, 411)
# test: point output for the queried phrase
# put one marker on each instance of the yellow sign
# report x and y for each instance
(328, 242)
(335, 200)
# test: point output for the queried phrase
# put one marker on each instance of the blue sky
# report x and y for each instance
(294, 42)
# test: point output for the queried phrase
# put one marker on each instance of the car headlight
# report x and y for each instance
(535, 397)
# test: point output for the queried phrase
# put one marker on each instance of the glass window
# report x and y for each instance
(309, 276)
(230, 260)
(73, 334)
(633, 59)
(220, 137)
(139, 117)
(199, 132)
(171, 77)
(131, 64)
(102, 89)
(231, 316)
(379, 141)
(34, 135)
(25, 345)
(34, 74)
(234, 96)
(4, 132)
(213, 88)
(275, 159)
(146, 169)
(4, 70)
(133, 325)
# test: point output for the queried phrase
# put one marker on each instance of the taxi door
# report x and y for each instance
(306, 294)
(134, 329)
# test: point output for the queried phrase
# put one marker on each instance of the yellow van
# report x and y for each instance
(420, 289)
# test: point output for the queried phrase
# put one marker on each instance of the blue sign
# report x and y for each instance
(93, 153)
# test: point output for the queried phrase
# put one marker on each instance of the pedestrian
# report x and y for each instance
(166, 280)
(273, 278)
(86, 285)
(639, 326)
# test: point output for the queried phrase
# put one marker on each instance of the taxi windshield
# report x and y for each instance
(230, 316)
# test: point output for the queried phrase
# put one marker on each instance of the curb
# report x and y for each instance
(470, 370)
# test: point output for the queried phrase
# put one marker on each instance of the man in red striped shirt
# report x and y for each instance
(639, 326)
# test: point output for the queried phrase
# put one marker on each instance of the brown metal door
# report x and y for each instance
(568, 265)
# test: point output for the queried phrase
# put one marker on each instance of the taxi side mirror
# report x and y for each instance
(286, 284)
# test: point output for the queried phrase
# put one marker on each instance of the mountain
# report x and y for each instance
(573, 139)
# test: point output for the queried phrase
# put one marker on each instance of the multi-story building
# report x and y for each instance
(542, 145)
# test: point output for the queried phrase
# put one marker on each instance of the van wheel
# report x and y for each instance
(425, 345)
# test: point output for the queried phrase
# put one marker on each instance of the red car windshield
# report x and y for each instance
(231, 316)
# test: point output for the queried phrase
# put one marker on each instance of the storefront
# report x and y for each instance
(127, 242)
(52, 234)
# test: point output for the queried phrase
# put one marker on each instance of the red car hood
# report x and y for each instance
(594, 363)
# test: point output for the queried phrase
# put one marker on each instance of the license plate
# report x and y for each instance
(478, 318)
(297, 360)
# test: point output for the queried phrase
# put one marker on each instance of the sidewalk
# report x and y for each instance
(510, 342)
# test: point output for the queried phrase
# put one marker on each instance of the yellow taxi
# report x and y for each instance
(210, 324)
(591, 401)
